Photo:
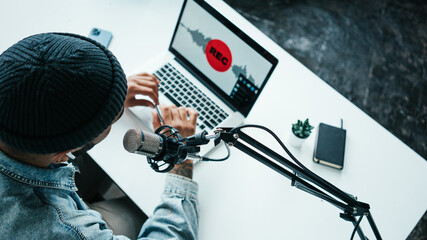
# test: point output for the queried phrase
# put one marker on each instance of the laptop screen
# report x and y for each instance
(224, 58)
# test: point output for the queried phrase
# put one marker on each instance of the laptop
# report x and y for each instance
(211, 66)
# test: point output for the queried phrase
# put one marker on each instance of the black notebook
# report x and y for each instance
(330, 146)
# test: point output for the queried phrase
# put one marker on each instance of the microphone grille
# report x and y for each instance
(146, 143)
(132, 140)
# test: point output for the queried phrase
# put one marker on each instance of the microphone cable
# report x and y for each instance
(206, 159)
(277, 139)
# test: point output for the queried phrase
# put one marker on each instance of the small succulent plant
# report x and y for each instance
(302, 129)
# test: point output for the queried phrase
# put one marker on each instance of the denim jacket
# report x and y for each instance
(42, 203)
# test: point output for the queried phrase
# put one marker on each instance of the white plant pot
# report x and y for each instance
(295, 141)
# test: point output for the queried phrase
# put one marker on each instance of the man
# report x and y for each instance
(59, 95)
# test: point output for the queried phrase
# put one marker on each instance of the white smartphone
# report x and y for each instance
(102, 36)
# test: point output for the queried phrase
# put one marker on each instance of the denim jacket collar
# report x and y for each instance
(55, 176)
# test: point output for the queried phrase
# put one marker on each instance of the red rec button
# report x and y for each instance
(218, 55)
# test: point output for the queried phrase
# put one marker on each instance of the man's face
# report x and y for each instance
(98, 139)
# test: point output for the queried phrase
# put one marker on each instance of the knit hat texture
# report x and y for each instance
(58, 91)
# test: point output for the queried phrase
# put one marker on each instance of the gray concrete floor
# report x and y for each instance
(372, 52)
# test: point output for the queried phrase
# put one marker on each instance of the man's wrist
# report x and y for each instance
(184, 169)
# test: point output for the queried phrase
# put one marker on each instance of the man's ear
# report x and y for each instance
(60, 157)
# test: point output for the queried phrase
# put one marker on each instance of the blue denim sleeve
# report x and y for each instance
(176, 217)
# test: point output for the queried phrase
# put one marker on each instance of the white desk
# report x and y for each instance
(241, 198)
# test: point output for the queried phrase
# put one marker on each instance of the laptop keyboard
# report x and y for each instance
(183, 93)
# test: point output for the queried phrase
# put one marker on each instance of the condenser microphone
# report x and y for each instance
(165, 147)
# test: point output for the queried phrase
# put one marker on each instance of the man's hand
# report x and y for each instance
(184, 120)
(145, 84)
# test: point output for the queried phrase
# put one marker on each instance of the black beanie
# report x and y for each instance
(58, 91)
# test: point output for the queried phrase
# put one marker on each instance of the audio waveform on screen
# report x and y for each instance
(200, 40)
